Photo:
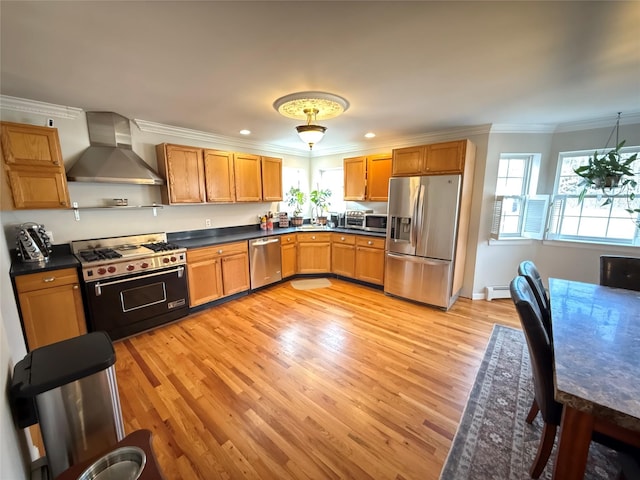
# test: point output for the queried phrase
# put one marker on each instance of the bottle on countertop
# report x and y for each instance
(263, 223)
(270, 221)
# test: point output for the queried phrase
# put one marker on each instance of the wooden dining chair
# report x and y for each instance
(541, 355)
(620, 272)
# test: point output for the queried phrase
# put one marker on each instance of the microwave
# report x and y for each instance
(375, 222)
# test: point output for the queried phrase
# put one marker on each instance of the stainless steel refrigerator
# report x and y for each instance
(421, 237)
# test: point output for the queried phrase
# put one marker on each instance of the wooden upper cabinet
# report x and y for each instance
(445, 157)
(197, 175)
(183, 169)
(367, 178)
(33, 167)
(435, 159)
(219, 176)
(247, 169)
(36, 188)
(378, 174)
(408, 161)
(355, 178)
(271, 179)
(31, 145)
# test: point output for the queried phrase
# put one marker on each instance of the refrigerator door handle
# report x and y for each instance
(420, 216)
(415, 226)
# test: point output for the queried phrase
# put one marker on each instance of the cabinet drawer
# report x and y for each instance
(343, 239)
(314, 237)
(216, 251)
(371, 242)
(52, 278)
(288, 239)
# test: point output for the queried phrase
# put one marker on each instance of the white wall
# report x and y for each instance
(497, 264)
(14, 453)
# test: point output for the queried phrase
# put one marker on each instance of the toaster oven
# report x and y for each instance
(355, 218)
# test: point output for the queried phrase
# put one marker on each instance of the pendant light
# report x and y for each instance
(311, 133)
(311, 106)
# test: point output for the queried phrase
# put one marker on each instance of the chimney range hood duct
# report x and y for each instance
(109, 158)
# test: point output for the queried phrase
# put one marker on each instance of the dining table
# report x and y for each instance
(596, 341)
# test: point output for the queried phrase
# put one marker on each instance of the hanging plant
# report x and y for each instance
(610, 173)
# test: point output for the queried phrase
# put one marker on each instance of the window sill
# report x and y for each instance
(511, 241)
(613, 247)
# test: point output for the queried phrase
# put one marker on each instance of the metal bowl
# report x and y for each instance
(125, 463)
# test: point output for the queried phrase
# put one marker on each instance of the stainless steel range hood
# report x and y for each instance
(109, 158)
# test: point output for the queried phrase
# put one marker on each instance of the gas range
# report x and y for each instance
(118, 256)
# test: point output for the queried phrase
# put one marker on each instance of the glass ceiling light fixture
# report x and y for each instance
(310, 133)
(311, 106)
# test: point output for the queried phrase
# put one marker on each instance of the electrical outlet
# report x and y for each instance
(49, 234)
(207, 222)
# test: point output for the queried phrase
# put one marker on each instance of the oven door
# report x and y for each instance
(127, 305)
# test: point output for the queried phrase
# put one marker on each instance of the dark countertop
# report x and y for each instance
(204, 238)
(60, 257)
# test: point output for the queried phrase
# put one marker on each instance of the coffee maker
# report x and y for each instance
(69, 389)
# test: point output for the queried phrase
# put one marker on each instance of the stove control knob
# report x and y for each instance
(111, 269)
(166, 260)
(102, 271)
(144, 265)
(173, 259)
(130, 267)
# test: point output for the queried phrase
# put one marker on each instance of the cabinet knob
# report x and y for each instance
(342, 238)
(313, 237)
(220, 252)
(48, 279)
(75, 287)
(369, 242)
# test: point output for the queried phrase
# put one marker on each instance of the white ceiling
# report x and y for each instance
(407, 68)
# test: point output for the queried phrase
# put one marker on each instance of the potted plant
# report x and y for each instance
(296, 199)
(320, 198)
(610, 173)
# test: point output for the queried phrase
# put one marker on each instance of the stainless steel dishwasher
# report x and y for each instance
(265, 262)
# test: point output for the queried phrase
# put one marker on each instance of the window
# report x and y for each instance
(333, 179)
(517, 213)
(594, 220)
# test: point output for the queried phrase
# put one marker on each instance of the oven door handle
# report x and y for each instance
(98, 286)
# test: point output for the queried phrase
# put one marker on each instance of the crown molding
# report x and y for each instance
(602, 122)
(39, 108)
(231, 142)
(522, 128)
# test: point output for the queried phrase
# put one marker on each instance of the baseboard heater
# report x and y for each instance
(497, 291)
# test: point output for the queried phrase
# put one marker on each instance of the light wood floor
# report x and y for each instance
(339, 382)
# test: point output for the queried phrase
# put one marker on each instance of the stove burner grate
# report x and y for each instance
(161, 246)
(99, 254)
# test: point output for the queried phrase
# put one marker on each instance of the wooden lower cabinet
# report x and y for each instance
(288, 251)
(51, 306)
(314, 252)
(343, 255)
(370, 259)
(217, 271)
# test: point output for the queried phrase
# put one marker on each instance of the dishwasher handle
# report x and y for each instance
(260, 243)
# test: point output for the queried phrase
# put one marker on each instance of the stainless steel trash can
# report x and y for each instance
(69, 388)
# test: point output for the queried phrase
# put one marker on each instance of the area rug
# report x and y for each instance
(310, 283)
(493, 440)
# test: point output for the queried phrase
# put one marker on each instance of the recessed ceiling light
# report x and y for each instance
(245, 132)
(369, 135)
